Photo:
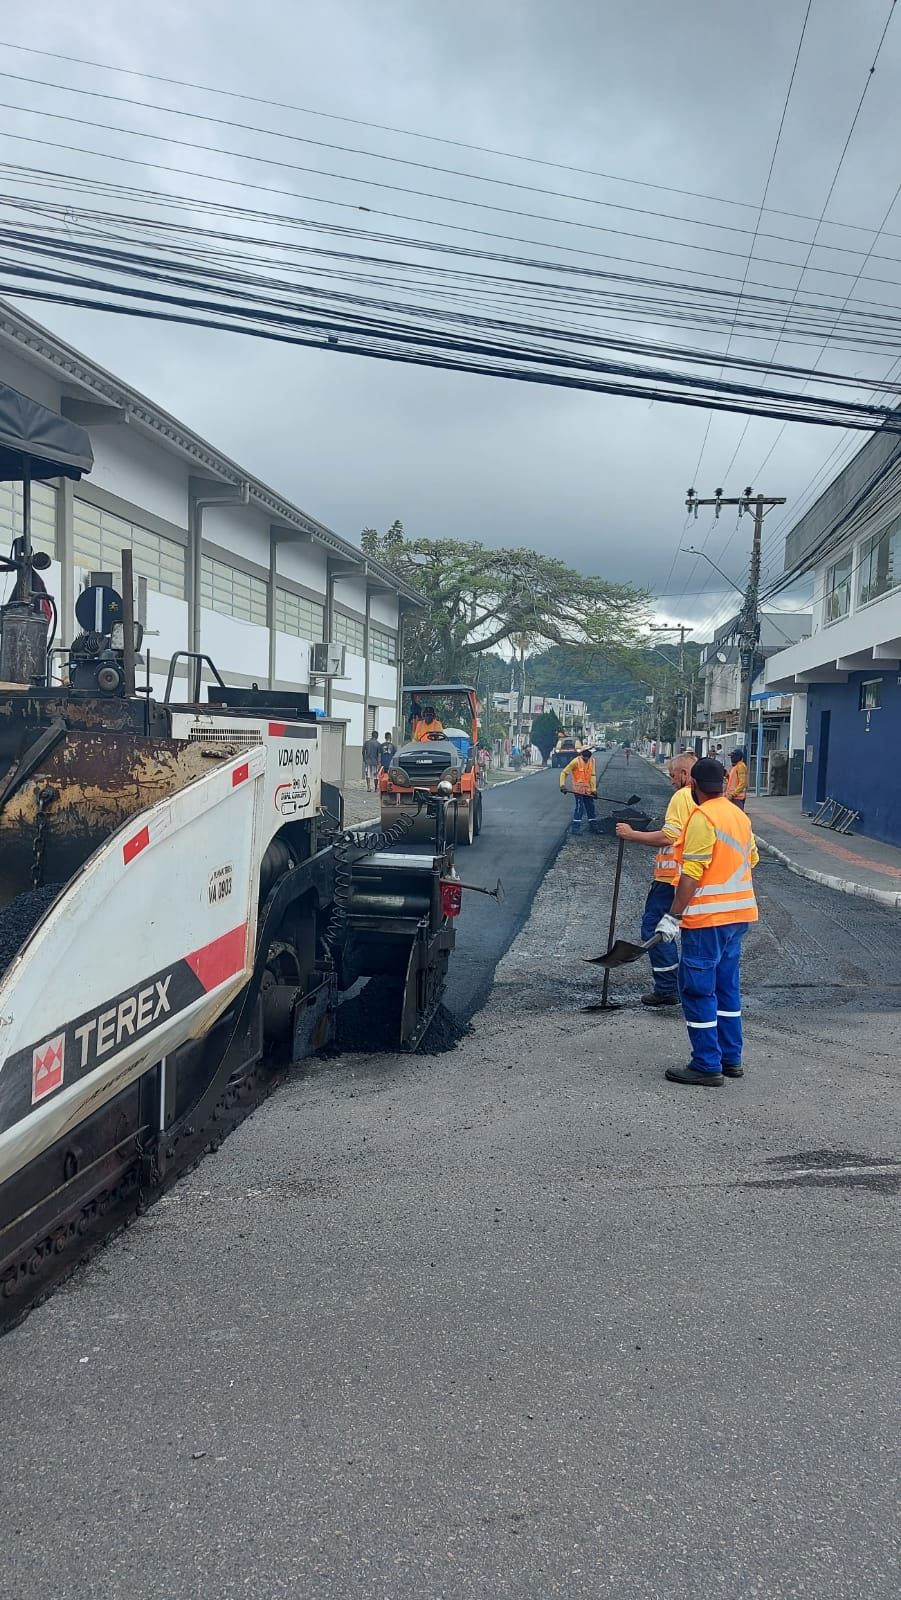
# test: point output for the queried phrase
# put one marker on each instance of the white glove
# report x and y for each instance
(667, 927)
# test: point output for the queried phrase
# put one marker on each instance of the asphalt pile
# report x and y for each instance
(20, 917)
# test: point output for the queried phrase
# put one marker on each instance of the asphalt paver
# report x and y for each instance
(522, 1320)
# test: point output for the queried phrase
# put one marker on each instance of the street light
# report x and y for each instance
(691, 551)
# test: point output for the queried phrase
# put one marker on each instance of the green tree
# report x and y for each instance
(477, 599)
(545, 728)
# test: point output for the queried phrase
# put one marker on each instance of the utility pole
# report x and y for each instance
(749, 621)
(681, 630)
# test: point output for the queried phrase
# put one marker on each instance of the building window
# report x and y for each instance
(232, 593)
(43, 516)
(347, 630)
(294, 614)
(99, 538)
(871, 694)
(382, 647)
(880, 564)
(838, 589)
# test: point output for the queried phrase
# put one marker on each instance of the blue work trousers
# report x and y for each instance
(664, 957)
(584, 806)
(711, 995)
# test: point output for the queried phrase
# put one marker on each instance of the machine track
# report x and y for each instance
(72, 1198)
(121, 1185)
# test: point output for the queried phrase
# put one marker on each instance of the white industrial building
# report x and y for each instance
(572, 713)
(224, 565)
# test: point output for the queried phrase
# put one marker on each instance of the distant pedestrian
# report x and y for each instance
(484, 761)
(714, 904)
(387, 751)
(371, 759)
(627, 749)
(664, 957)
(737, 781)
(580, 779)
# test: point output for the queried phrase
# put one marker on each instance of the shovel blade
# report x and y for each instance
(621, 952)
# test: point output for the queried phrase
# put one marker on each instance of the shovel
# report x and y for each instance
(605, 1003)
(621, 952)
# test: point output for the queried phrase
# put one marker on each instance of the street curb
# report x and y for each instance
(515, 779)
(882, 897)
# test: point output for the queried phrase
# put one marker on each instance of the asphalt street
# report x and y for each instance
(523, 828)
(521, 1320)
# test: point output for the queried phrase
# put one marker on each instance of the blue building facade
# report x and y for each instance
(849, 543)
(853, 750)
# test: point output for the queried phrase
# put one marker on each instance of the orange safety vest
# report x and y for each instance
(667, 862)
(582, 774)
(725, 891)
(737, 781)
(422, 729)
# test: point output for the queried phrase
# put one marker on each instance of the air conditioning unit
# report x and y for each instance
(327, 661)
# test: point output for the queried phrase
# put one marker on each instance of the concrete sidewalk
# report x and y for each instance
(848, 862)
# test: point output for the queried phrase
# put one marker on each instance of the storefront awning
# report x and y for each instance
(38, 443)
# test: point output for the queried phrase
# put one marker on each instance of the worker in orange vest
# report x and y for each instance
(714, 904)
(580, 779)
(426, 722)
(737, 781)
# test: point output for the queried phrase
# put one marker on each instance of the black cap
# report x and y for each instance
(709, 775)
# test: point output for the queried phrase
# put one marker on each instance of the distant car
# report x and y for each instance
(564, 752)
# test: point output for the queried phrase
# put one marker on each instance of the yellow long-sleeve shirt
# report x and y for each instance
(737, 781)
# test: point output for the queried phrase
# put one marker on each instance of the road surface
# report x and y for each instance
(516, 1322)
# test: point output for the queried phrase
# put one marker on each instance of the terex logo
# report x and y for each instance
(132, 1015)
(47, 1067)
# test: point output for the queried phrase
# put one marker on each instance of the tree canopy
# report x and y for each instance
(544, 731)
(477, 599)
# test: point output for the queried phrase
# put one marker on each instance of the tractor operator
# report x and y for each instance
(714, 903)
(737, 781)
(426, 721)
(583, 783)
(664, 957)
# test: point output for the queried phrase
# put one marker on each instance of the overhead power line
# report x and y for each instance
(426, 194)
(814, 242)
(407, 133)
(744, 280)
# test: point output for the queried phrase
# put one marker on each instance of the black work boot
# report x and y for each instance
(733, 1069)
(657, 999)
(706, 1080)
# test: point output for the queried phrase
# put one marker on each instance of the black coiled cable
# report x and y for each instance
(367, 841)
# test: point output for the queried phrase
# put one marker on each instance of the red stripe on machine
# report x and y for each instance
(277, 730)
(240, 775)
(134, 846)
(215, 963)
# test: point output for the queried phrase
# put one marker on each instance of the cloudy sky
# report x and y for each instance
(684, 97)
